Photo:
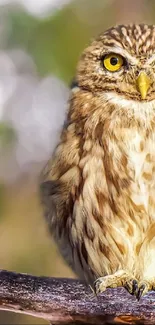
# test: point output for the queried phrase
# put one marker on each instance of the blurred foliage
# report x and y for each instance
(50, 45)
(57, 41)
(7, 134)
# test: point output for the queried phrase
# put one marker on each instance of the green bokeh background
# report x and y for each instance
(55, 44)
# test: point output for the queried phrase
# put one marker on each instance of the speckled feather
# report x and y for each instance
(98, 189)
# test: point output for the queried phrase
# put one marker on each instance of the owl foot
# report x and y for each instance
(119, 279)
(131, 286)
(124, 279)
(144, 287)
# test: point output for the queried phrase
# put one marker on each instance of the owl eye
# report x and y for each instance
(113, 62)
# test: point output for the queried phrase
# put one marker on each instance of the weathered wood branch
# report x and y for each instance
(68, 301)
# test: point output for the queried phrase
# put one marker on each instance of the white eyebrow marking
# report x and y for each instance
(121, 51)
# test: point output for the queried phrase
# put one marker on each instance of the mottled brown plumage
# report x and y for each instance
(98, 189)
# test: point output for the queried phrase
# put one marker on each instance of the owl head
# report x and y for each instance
(120, 63)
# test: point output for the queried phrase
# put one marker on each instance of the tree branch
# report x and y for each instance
(67, 301)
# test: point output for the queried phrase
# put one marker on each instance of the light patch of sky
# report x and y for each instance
(35, 108)
(38, 7)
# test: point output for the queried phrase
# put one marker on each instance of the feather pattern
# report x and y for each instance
(98, 189)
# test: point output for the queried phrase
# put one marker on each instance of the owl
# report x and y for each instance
(98, 189)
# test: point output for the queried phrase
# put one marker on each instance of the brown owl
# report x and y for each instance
(98, 189)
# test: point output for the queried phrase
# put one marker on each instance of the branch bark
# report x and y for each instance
(68, 301)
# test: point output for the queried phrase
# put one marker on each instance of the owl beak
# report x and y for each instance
(143, 84)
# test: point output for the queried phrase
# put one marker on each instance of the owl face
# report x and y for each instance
(122, 62)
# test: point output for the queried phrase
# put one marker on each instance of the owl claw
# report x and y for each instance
(140, 292)
(124, 279)
(132, 286)
(99, 286)
(135, 287)
(144, 288)
(120, 278)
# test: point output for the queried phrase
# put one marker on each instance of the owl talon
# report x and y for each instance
(135, 287)
(132, 286)
(120, 278)
(141, 291)
(99, 286)
(144, 287)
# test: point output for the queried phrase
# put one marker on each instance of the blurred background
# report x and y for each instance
(40, 43)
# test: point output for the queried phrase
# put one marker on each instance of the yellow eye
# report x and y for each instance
(113, 62)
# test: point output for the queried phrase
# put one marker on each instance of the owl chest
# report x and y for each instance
(140, 171)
